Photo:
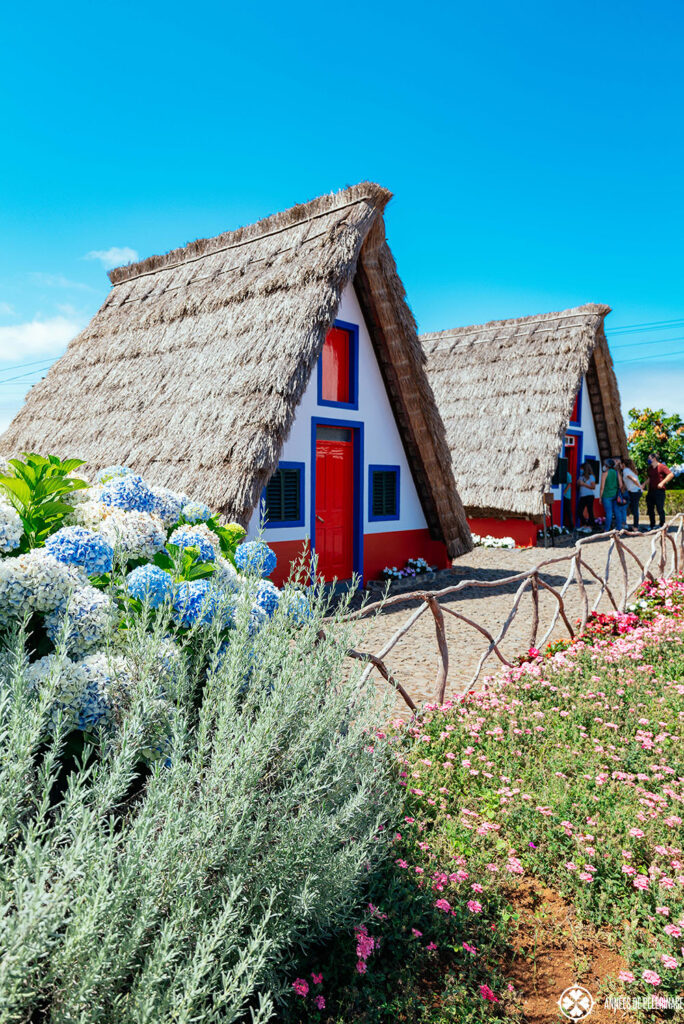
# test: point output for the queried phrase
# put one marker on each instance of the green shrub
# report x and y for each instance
(186, 890)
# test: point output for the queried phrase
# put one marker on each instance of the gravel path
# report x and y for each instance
(414, 660)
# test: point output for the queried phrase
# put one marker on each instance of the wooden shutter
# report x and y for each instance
(283, 496)
(384, 492)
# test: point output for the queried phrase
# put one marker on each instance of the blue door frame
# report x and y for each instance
(356, 427)
(579, 438)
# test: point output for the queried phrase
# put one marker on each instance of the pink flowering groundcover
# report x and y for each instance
(566, 772)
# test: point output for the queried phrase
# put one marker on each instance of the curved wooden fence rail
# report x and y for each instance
(667, 551)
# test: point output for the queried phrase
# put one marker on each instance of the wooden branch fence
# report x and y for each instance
(665, 541)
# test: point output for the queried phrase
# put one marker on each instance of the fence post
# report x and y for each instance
(535, 610)
(443, 671)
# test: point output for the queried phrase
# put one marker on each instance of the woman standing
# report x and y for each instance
(633, 488)
(611, 485)
(586, 485)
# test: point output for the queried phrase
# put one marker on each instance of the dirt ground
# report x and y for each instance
(553, 951)
(414, 660)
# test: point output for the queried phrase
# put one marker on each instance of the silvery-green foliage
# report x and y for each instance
(187, 895)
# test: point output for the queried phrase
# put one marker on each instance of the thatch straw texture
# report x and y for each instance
(506, 389)
(192, 370)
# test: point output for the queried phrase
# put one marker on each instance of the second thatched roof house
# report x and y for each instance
(515, 395)
(280, 361)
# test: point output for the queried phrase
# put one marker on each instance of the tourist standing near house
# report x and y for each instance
(567, 502)
(586, 485)
(611, 485)
(633, 488)
(659, 477)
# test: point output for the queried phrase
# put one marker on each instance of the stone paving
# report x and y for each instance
(414, 660)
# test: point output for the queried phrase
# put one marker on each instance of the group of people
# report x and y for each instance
(620, 493)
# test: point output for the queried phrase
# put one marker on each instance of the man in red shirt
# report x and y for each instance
(659, 477)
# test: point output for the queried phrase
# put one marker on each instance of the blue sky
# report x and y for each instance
(535, 151)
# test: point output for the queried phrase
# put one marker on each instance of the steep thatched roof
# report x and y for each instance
(193, 368)
(506, 391)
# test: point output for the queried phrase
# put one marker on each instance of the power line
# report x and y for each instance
(659, 355)
(654, 325)
(21, 376)
(21, 366)
(640, 344)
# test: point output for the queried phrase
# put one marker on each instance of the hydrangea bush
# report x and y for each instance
(80, 559)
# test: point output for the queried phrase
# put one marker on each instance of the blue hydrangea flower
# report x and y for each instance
(130, 493)
(112, 473)
(255, 556)
(267, 597)
(151, 583)
(194, 601)
(75, 545)
(194, 537)
(196, 512)
(296, 605)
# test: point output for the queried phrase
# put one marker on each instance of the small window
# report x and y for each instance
(338, 367)
(384, 492)
(283, 496)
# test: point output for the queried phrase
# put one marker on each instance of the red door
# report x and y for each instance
(334, 541)
(571, 453)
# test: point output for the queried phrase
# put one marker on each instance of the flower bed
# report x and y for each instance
(492, 542)
(567, 774)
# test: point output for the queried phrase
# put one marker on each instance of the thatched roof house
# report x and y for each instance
(193, 369)
(506, 391)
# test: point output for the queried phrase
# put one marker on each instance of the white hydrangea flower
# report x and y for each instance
(226, 577)
(136, 534)
(90, 511)
(37, 582)
(11, 526)
(84, 495)
(91, 616)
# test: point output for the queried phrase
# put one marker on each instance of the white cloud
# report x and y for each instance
(38, 337)
(59, 281)
(113, 257)
(6, 309)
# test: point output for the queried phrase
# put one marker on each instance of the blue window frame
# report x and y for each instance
(383, 494)
(578, 422)
(356, 428)
(283, 496)
(353, 402)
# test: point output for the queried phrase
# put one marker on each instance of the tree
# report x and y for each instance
(652, 431)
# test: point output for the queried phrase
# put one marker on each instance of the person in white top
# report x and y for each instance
(586, 485)
(634, 489)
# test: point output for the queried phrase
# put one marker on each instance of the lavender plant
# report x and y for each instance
(184, 887)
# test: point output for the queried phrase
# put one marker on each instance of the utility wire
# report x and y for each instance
(21, 376)
(640, 344)
(641, 359)
(21, 366)
(658, 325)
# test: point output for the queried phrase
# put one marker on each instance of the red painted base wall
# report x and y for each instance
(379, 550)
(523, 531)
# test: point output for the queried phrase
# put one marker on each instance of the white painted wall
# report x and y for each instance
(382, 443)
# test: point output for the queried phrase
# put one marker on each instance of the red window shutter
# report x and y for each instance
(335, 370)
(575, 410)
